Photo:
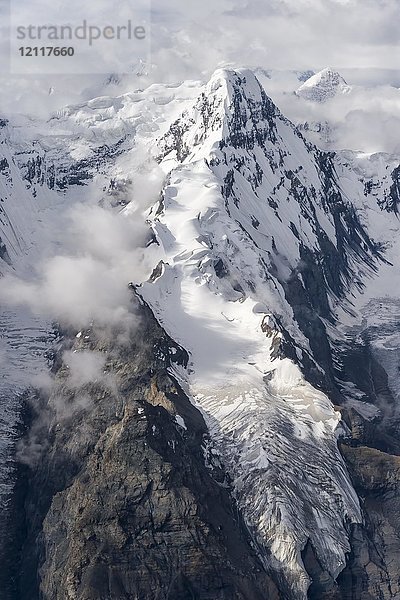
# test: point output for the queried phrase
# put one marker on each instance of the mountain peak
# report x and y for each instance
(323, 86)
(233, 109)
(233, 78)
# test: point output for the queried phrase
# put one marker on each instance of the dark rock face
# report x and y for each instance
(372, 456)
(12, 525)
(395, 191)
(372, 572)
(371, 452)
(391, 200)
(322, 583)
(4, 252)
(121, 504)
(57, 170)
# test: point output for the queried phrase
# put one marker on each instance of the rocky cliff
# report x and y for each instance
(120, 502)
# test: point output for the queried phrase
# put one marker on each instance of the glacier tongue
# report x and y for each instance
(244, 198)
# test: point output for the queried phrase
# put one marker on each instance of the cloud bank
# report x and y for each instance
(189, 41)
(103, 250)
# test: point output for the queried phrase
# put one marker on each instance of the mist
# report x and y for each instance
(103, 249)
(366, 119)
(191, 41)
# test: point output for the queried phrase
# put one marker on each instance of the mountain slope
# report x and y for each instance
(253, 224)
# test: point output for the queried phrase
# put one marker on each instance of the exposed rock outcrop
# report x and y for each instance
(121, 504)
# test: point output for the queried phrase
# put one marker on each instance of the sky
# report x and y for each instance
(282, 34)
(189, 40)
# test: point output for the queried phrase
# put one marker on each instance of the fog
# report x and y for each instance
(103, 249)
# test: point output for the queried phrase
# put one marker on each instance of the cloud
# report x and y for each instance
(74, 290)
(62, 398)
(291, 34)
(189, 41)
(103, 250)
(55, 399)
(84, 367)
(366, 119)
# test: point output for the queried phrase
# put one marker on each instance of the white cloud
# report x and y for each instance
(366, 119)
(281, 34)
(190, 40)
(103, 250)
(74, 290)
(84, 367)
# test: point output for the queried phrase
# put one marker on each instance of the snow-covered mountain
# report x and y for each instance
(268, 227)
(270, 258)
(226, 276)
(323, 86)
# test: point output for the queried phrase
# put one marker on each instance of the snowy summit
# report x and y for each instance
(323, 86)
